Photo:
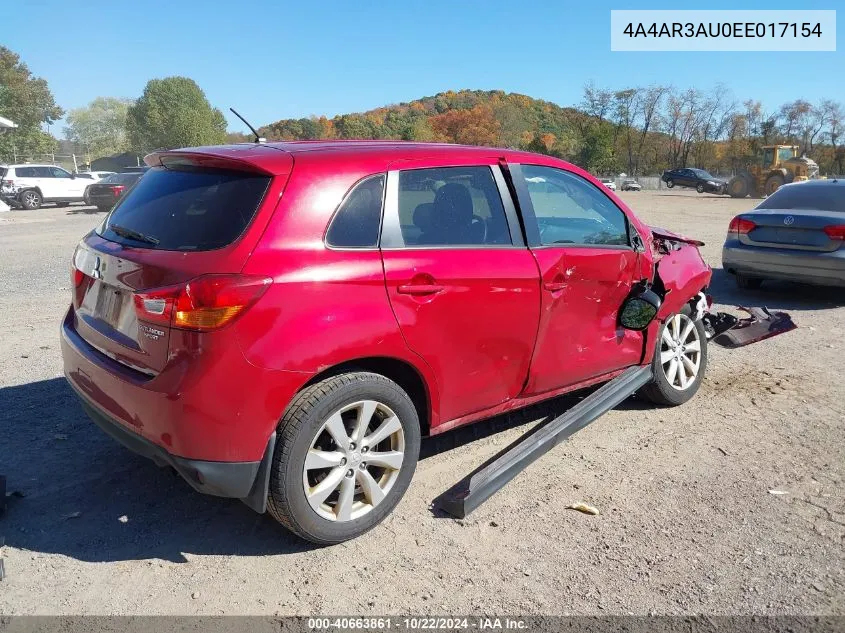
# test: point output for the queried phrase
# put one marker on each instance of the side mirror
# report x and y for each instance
(639, 310)
(73, 176)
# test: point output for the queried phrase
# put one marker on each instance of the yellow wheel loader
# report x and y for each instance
(779, 164)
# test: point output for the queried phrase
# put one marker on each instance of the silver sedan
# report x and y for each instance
(796, 234)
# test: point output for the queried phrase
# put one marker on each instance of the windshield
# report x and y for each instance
(187, 210)
(120, 179)
(812, 197)
(702, 174)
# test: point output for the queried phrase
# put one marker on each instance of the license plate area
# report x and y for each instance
(110, 304)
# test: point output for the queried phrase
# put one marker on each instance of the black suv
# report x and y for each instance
(699, 179)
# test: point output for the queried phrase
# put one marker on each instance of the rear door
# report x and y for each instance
(66, 186)
(173, 226)
(582, 244)
(462, 285)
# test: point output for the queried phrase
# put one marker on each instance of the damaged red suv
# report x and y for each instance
(281, 323)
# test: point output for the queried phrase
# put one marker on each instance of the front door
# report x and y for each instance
(462, 284)
(581, 241)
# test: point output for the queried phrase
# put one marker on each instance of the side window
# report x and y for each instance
(26, 172)
(358, 218)
(570, 210)
(451, 206)
(59, 173)
(43, 172)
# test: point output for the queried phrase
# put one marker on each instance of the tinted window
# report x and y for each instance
(43, 172)
(357, 221)
(570, 210)
(25, 172)
(188, 210)
(85, 176)
(55, 172)
(120, 179)
(811, 196)
(702, 174)
(3, 171)
(451, 206)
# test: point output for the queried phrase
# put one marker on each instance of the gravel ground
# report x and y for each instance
(687, 523)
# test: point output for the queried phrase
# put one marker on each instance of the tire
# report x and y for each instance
(304, 427)
(30, 199)
(700, 188)
(670, 183)
(744, 282)
(739, 187)
(773, 183)
(663, 392)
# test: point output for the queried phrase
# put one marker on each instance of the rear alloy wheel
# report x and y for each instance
(346, 452)
(680, 360)
(30, 199)
(670, 183)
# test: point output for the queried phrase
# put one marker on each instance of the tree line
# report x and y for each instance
(636, 130)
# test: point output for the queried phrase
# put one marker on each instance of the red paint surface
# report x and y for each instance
(508, 326)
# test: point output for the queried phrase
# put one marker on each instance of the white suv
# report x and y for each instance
(34, 184)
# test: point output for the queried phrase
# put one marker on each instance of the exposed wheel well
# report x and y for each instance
(402, 373)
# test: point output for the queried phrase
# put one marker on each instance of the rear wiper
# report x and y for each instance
(133, 235)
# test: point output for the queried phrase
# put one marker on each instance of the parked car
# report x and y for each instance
(610, 183)
(94, 176)
(36, 184)
(107, 192)
(698, 179)
(631, 185)
(795, 234)
(282, 322)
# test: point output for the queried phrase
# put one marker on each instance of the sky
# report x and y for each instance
(275, 59)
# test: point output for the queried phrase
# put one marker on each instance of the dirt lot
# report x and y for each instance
(687, 524)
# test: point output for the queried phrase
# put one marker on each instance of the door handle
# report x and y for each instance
(419, 289)
(554, 286)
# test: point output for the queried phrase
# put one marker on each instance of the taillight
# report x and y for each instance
(835, 231)
(741, 226)
(77, 276)
(117, 189)
(205, 303)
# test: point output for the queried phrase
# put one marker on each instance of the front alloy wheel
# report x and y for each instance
(680, 352)
(680, 360)
(354, 461)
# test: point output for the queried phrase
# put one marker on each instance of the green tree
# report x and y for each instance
(100, 127)
(28, 102)
(173, 112)
(597, 155)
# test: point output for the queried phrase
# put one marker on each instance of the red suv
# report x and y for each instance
(283, 322)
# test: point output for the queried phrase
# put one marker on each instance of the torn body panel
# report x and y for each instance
(682, 274)
(731, 332)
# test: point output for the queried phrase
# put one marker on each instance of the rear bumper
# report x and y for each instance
(221, 479)
(818, 268)
(210, 405)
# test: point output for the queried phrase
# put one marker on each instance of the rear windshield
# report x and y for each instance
(809, 196)
(178, 210)
(120, 179)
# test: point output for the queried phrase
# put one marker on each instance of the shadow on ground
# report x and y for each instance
(77, 484)
(779, 295)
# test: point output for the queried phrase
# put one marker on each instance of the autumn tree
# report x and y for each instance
(173, 112)
(28, 102)
(476, 126)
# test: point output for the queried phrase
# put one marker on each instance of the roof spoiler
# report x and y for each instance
(197, 160)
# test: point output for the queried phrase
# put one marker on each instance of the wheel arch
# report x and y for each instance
(400, 371)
